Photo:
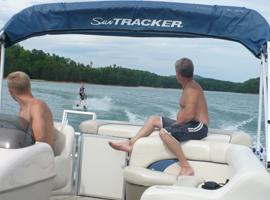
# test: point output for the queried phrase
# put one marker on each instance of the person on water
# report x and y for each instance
(82, 94)
(192, 118)
(35, 111)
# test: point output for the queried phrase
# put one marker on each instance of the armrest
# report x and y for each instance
(241, 138)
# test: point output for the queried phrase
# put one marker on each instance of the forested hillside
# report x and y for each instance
(250, 86)
(40, 65)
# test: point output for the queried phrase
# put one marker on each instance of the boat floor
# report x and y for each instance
(71, 197)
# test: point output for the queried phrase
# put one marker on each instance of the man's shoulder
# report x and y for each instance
(193, 90)
(193, 87)
(38, 104)
(196, 86)
(39, 108)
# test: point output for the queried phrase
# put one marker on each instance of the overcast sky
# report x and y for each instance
(212, 58)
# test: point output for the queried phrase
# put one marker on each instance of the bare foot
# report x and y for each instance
(123, 146)
(186, 171)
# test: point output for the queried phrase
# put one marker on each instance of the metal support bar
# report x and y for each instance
(267, 110)
(265, 94)
(2, 70)
(2, 35)
(260, 107)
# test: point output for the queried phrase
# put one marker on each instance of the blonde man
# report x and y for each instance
(35, 111)
(191, 122)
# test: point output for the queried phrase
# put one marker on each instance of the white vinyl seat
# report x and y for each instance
(129, 130)
(27, 173)
(151, 172)
(64, 138)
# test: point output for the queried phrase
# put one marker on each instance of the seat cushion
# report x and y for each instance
(145, 177)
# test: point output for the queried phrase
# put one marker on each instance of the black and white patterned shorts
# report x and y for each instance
(192, 130)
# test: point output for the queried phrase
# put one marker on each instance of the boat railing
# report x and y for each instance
(70, 188)
(66, 113)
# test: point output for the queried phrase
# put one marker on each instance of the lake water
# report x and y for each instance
(135, 104)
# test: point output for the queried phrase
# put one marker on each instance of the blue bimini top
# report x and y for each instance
(140, 19)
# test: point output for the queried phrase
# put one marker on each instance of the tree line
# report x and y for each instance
(40, 65)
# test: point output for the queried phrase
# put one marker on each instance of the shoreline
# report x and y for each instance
(40, 80)
(85, 83)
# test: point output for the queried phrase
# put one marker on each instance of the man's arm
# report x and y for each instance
(187, 113)
(84, 91)
(38, 122)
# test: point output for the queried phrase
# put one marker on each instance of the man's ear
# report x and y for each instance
(10, 90)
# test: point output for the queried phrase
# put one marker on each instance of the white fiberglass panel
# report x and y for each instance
(101, 169)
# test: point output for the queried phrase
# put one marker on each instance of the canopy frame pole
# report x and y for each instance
(265, 92)
(267, 111)
(260, 107)
(2, 37)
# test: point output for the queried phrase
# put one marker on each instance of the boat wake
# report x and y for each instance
(238, 126)
(135, 119)
(94, 104)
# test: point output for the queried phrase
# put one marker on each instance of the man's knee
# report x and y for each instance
(163, 134)
(152, 118)
(155, 120)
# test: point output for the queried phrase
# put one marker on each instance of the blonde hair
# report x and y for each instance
(185, 67)
(19, 82)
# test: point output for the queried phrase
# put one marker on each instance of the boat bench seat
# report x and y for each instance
(129, 130)
(153, 171)
(63, 144)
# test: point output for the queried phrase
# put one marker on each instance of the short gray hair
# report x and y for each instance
(185, 67)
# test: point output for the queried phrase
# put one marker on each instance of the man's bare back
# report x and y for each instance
(39, 115)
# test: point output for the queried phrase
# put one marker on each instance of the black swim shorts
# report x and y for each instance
(192, 130)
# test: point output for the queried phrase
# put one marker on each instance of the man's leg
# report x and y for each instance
(146, 130)
(175, 148)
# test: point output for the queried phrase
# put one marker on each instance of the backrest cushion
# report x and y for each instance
(64, 136)
(151, 149)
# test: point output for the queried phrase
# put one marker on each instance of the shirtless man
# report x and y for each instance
(192, 118)
(35, 111)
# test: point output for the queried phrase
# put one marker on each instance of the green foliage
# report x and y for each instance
(39, 65)
(217, 85)
(250, 86)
